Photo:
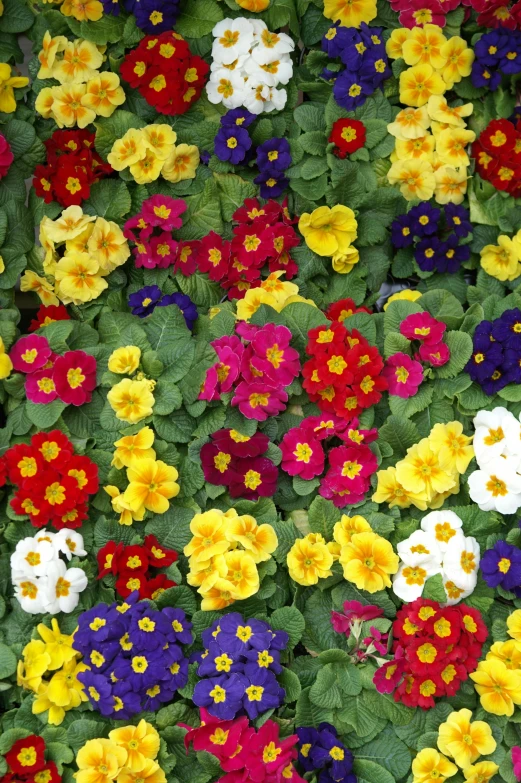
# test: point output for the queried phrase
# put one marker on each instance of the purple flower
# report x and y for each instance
(401, 231)
(501, 567)
(271, 185)
(425, 219)
(428, 253)
(262, 693)
(222, 696)
(241, 118)
(507, 328)
(185, 304)
(328, 75)
(154, 16)
(274, 156)
(111, 7)
(322, 750)
(457, 218)
(336, 39)
(350, 90)
(144, 301)
(452, 255)
(232, 143)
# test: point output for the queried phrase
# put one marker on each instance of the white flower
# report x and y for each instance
(455, 594)
(70, 543)
(63, 588)
(443, 525)
(259, 97)
(409, 581)
(461, 562)
(513, 439)
(497, 486)
(233, 37)
(490, 436)
(270, 46)
(277, 72)
(237, 65)
(30, 593)
(44, 535)
(421, 549)
(31, 558)
(226, 87)
(258, 27)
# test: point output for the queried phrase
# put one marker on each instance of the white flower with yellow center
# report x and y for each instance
(226, 87)
(443, 526)
(490, 440)
(497, 486)
(461, 562)
(63, 587)
(31, 558)
(69, 543)
(409, 582)
(233, 37)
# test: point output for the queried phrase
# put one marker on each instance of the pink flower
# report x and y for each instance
(387, 677)
(421, 12)
(302, 454)
(75, 377)
(163, 211)
(353, 435)
(341, 490)
(271, 344)
(516, 761)
(30, 353)
(403, 375)
(247, 331)
(353, 461)
(40, 386)
(437, 355)
(423, 327)
(223, 374)
(145, 230)
(164, 250)
(354, 611)
(378, 639)
(325, 426)
(257, 400)
(253, 478)
(6, 156)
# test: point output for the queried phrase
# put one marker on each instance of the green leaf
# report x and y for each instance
(198, 18)
(434, 590)
(400, 434)
(310, 117)
(234, 191)
(460, 347)
(7, 662)
(109, 198)
(290, 620)
(368, 771)
(17, 16)
(44, 415)
(322, 517)
(291, 684)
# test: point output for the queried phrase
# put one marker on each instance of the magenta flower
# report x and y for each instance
(302, 453)
(30, 353)
(246, 330)
(164, 250)
(74, 375)
(223, 374)
(353, 461)
(403, 375)
(6, 156)
(258, 400)
(137, 222)
(341, 490)
(143, 255)
(353, 611)
(209, 387)
(388, 676)
(516, 761)
(240, 445)
(217, 463)
(353, 435)
(271, 345)
(254, 478)
(163, 211)
(40, 386)
(325, 426)
(378, 639)
(408, 16)
(423, 327)
(437, 355)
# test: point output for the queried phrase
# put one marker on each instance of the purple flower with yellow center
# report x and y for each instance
(425, 219)
(271, 184)
(402, 234)
(501, 567)
(144, 301)
(217, 662)
(98, 690)
(126, 702)
(262, 693)
(336, 39)
(507, 328)
(222, 696)
(180, 629)
(237, 635)
(232, 143)
(154, 16)
(428, 253)
(457, 219)
(274, 155)
(148, 628)
(111, 7)
(237, 118)
(452, 255)
(350, 90)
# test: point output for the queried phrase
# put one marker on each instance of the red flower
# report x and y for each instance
(48, 774)
(159, 556)
(71, 519)
(254, 478)
(133, 559)
(498, 137)
(128, 581)
(498, 14)
(347, 136)
(72, 181)
(187, 257)
(344, 308)
(248, 246)
(58, 493)
(55, 448)
(85, 472)
(48, 315)
(26, 755)
(75, 377)
(154, 587)
(25, 503)
(43, 182)
(23, 462)
(109, 558)
(214, 254)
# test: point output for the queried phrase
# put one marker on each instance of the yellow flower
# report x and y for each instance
(389, 490)
(368, 559)
(481, 772)
(407, 295)
(498, 687)
(218, 597)
(99, 761)
(420, 148)
(151, 772)
(280, 289)
(71, 223)
(508, 652)
(36, 661)
(514, 625)
(255, 6)
(423, 46)
(205, 574)
(459, 60)
(58, 645)
(50, 48)
(309, 560)
(208, 536)
(347, 527)
(67, 107)
(465, 741)
(152, 484)
(328, 231)
(454, 449)
(7, 84)
(343, 263)
(30, 281)
(108, 245)
(260, 540)
(418, 83)
(500, 261)
(6, 365)
(133, 448)
(451, 146)
(125, 361)
(147, 169)
(104, 94)
(429, 766)
(83, 10)
(241, 573)
(63, 692)
(160, 139)
(121, 507)
(141, 743)
(420, 471)
(80, 62)
(131, 401)
(394, 45)
(439, 110)
(78, 278)
(254, 298)
(350, 13)
(451, 185)
(181, 163)
(415, 178)
(44, 102)
(128, 150)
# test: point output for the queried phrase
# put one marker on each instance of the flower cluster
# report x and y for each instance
(348, 136)
(239, 462)
(430, 471)
(41, 579)
(56, 656)
(497, 153)
(145, 301)
(131, 565)
(321, 749)
(362, 52)
(26, 762)
(246, 753)
(248, 63)
(262, 370)
(70, 378)
(151, 232)
(223, 553)
(344, 375)
(497, 54)
(238, 668)
(497, 679)
(72, 167)
(426, 164)
(129, 752)
(273, 158)
(438, 547)
(151, 152)
(496, 357)
(165, 72)
(52, 482)
(502, 261)
(133, 655)
(330, 232)
(428, 332)
(496, 485)
(435, 650)
(435, 236)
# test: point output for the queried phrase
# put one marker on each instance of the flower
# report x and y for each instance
(415, 177)
(499, 688)
(99, 761)
(463, 740)
(368, 560)
(141, 743)
(497, 486)
(302, 454)
(26, 755)
(74, 377)
(63, 587)
(232, 143)
(30, 353)
(125, 361)
(353, 614)
(131, 401)
(328, 231)
(144, 301)
(78, 278)
(350, 14)
(7, 85)
(481, 772)
(152, 485)
(501, 566)
(403, 375)
(429, 764)
(347, 136)
(418, 83)
(309, 560)
(423, 327)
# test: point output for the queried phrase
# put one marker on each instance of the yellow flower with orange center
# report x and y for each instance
(368, 561)
(309, 560)
(68, 109)
(104, 94)
(152, 484)
(79, 62)
(499, 688)
(429, 766)
(83, 10)
(131, 401)
(418, 83)
(414, 177)
(389, 490)
(350, 13)
(181, 163)
(465, 740)
(423, 46)
(451, 184)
